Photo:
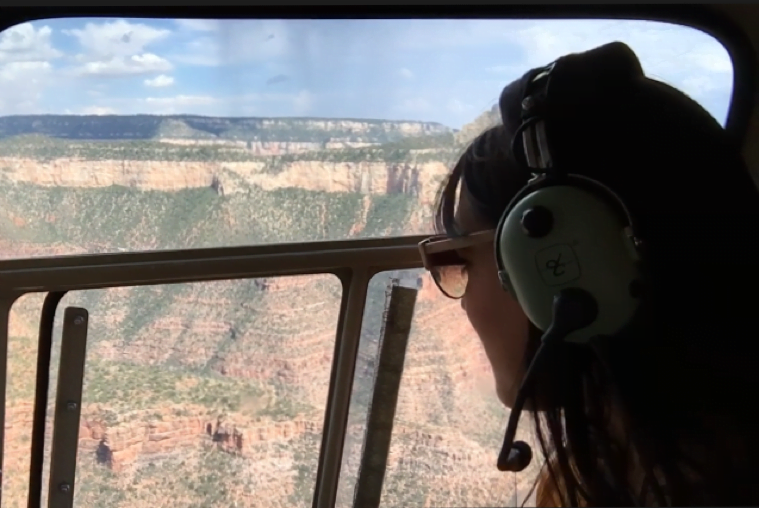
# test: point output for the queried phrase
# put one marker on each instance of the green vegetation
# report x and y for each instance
(131, 219)
(129, 386)
(388, 211)
(285, 406)
(46, 149)
(305, 477)
(417, 149)
(385, 154)
(146, 127)
(196, 478)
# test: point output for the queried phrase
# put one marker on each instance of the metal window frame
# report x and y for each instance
(354, 262)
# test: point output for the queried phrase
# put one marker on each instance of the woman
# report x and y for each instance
(669, 418)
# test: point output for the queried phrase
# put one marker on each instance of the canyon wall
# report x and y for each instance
(368, 177)
(269, 147)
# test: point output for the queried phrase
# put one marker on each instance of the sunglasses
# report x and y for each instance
(448, 269)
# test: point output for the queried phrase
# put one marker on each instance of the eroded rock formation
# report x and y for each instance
(416, 179)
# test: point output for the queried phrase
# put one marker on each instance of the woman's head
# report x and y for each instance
(674, 374)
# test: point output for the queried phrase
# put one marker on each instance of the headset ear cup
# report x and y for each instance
(586, 249)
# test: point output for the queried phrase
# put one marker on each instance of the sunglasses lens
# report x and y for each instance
(451, 280)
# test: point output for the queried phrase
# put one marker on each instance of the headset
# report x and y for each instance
(566, 246)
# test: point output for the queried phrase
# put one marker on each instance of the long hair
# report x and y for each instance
(662, 413)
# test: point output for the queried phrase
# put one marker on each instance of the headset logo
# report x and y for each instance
(558, 265)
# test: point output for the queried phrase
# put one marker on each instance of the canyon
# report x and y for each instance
(366, 177)
(213, 394)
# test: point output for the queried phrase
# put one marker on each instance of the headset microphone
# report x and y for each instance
(573, 309)
(566, 245)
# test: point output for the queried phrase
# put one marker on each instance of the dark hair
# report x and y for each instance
(666, 406)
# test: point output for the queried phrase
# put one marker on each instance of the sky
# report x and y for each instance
(446, 71)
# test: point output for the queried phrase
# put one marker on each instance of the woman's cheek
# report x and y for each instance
(503, 329)
(486, 314)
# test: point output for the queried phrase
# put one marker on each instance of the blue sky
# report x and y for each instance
(446, 71)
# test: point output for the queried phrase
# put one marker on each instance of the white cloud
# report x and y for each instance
(146, 63)
(32, 72)
(117, 38)
(159, 81)
(168, 105)
(25, 43)
(25, 68)
(677, 55)
(178, 104)
(247, 104)
(406, 73)
(414, 106)
(682, 57)
(182, 100)
(456, 106)
(118, 48)
(303, 102)
(663, 48)
(98, 110)
(235, 41)
(202, 51)
(23, 85)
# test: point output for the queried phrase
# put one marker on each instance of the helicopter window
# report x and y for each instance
(125, 135)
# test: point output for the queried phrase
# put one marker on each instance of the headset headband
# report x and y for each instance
(535, 153)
